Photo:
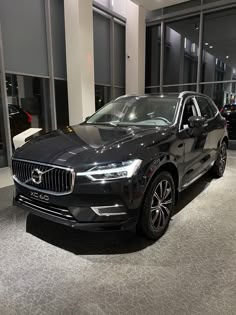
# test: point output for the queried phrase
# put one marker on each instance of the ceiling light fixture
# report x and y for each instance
(227, 57)
(206, 44)
(211, 47)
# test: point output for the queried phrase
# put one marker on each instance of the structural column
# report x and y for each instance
(135, 48)
(79, 58)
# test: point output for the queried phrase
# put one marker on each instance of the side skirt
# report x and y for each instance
(197, 177)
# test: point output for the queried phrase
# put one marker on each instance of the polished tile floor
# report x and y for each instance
(46, 268)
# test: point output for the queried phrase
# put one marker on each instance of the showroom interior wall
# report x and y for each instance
(102, 56)
(118, 53)
(134, 52)
(79, 58)
(193, 46)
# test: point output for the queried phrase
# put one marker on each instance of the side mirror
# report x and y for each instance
(196, 122)
(87, 118)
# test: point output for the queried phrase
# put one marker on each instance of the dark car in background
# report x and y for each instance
(20, 120)
(125, 165)
(229, 113)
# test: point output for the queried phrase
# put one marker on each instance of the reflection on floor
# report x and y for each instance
(50, 269)
(5, 177)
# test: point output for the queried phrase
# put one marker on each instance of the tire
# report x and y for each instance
(155, 215)
(218, 168)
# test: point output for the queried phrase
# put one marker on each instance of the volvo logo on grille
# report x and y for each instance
(36, 176)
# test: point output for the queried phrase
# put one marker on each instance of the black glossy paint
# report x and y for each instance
(186, 153)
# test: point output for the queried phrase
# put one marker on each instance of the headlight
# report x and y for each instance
(112, 171)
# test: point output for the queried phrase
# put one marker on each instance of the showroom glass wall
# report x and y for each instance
(192, 46)
(34, 64)
(109, 55)
(34, 72)
(4, 123)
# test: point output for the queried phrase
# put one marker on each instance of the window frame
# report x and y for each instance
(210, 104)
(12, 110)
(196, 107)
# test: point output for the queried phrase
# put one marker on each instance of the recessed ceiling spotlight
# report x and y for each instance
(227, 57)
(206, 44)
(211, 47)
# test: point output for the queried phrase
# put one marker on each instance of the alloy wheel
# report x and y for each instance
(222, 158)
(161, 204)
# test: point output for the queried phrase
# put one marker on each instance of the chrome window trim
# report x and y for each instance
(44, 190)
(197, 106)
(183, 106)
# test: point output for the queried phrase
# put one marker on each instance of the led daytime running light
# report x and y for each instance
(118, 171)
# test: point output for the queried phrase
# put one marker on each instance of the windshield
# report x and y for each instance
(145, 110)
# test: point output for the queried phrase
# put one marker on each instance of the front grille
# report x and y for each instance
(60, 212)
(55, 179)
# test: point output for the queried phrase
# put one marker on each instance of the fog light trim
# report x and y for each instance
(97, 210)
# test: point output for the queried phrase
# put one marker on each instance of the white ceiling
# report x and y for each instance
(157, 4)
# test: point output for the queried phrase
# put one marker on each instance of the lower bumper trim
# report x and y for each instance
(68, 220)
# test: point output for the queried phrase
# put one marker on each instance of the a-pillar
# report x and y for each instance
(79, 59)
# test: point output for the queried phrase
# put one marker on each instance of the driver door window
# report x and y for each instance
(189, 110)
(207, 110)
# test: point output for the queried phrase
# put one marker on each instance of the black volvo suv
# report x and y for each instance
(125, 165)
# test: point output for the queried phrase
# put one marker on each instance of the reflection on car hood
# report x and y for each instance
(86, 144)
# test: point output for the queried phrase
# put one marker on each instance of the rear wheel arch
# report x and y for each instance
(224, 139)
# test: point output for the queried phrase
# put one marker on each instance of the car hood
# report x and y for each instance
(87, 144)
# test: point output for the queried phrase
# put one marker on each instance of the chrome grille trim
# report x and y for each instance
(51, 184)
(62, 213)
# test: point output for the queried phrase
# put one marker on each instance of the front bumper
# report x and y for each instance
(115, 206)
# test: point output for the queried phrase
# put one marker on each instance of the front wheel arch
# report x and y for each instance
(144, 225)
(170, 168)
